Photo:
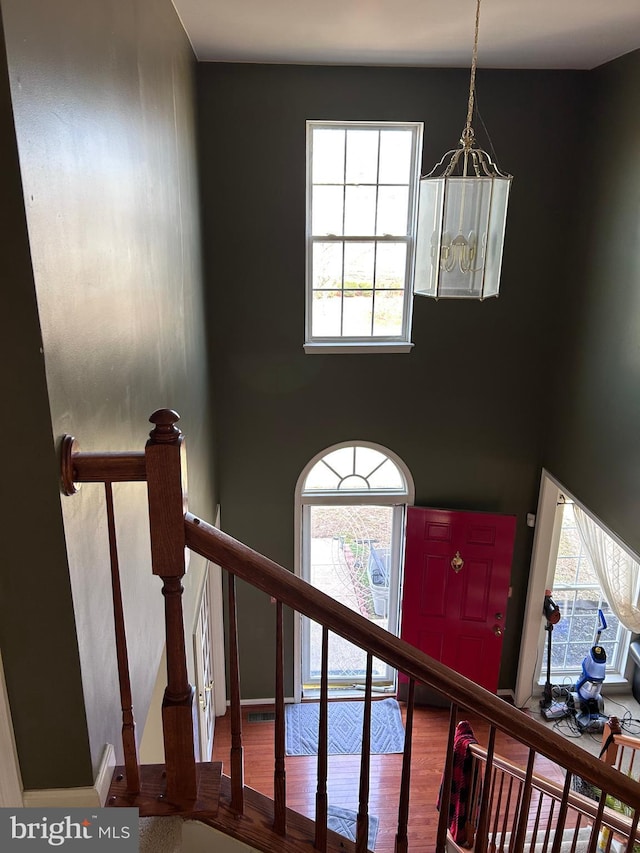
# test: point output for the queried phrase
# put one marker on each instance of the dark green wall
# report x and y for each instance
(103, 99)
(592, 445)
(463, 410)
(36, 610)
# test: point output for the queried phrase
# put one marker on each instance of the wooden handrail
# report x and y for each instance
(274, 580)
(79, 467)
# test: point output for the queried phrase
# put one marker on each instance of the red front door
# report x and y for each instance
(456, 586)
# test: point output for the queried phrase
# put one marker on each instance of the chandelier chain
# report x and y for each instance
(468, 133)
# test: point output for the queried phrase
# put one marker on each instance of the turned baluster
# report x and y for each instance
(562, 814)
(279, 774)
(166, 484)
(525, 803)
(132, 770)
(402, 842)
(323, 742)
(482, 831)
(362, 834)
(507, 811)
(237, 752)
(597, 824)
(632, 832)
(447, 776)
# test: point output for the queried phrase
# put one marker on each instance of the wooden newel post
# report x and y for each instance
(166, 483)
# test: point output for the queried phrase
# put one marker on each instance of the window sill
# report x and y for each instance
(361, 347)
(613, 683)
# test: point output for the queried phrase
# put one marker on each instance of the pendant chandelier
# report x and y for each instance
(462, 215)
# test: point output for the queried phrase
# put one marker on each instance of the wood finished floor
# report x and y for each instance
(429, 742)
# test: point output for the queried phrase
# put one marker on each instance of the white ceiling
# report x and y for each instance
(513, 33)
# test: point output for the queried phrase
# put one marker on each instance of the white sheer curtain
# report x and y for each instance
(617, 571)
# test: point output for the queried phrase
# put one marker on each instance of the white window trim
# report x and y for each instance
(616, 662)
(324, 348)
(392, 498)
(540, 577)
(315, 345)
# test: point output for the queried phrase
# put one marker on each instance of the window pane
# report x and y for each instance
(360, 211)
(355, 483)
(327, 265)
(362, 156)
(393, 207)
(586, 572)
(391, 262)
(321, 477)
(371, 467)
(386, 476)
(327, 307)
(566, 570)
(326, 215)
(358, 265)
(341, 461)
(358, 309)
(328, 156)
(349, 560)
(387, 318)
(395, 156)
(367, 460)
(569, 541)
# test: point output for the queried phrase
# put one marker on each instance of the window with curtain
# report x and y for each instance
(579, 591)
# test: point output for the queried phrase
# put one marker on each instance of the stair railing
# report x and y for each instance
(189, 788)
(553, 815)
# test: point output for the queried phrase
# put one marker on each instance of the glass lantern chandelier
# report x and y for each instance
(462, 213)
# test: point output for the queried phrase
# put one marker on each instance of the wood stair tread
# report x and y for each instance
(152, 800)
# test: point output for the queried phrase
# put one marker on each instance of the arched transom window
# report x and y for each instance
(357, 467)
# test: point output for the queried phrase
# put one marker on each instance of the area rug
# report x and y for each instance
(345, 822)
(344, 728)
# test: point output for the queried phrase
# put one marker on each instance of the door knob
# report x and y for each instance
(498, 630)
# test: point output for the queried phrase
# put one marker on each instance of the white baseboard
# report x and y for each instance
(507, 694)
(102, 781)
(94, 796)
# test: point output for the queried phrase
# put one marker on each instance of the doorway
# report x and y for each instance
(351, 501)
(456, 588)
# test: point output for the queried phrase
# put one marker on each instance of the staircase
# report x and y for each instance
(511, 808)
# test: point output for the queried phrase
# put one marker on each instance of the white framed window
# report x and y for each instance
(350, 508)
(362, 182)
(578, 593)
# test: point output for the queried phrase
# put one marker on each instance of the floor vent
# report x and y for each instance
(261, 717)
